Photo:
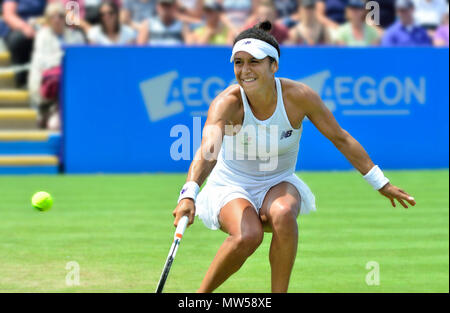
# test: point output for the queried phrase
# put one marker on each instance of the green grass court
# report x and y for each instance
(119, 230)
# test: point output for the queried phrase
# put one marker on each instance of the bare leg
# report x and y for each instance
(279, 215)
(239, 219)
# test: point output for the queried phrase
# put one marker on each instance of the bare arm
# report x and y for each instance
(199, 8)
(125, 17)
(222, 112)
(325, 122)
(327, 39)
(439, 42)
(293, 36)
(195, 12)
(143, 34)
(14, 21)
(253, 17)
(206, 156)
(231, 28)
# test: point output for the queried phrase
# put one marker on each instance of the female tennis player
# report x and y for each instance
(248, 192)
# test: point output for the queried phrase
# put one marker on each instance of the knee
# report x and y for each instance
(246, 243)
(284, 218)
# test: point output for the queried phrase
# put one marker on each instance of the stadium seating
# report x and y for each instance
(24, 149)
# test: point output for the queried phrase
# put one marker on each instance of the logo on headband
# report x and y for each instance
(247, 42)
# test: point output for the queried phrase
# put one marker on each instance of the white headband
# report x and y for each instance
(257, 48)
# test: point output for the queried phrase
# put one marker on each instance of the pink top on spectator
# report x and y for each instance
(442, 34)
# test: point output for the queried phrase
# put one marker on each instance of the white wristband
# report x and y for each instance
(189, 190)
(376, 178)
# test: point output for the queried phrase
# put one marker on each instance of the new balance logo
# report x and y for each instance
(286, 134)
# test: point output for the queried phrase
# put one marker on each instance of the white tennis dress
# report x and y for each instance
(261, 155)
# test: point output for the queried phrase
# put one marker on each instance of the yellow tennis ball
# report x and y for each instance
(42, 201)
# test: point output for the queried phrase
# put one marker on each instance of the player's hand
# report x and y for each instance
(394, 193)
(185, 207)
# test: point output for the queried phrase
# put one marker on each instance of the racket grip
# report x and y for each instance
(182, 224)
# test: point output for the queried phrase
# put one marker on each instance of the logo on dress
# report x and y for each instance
(286, 134)
(246, 140)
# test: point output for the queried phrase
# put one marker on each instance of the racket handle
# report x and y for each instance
(182, 224)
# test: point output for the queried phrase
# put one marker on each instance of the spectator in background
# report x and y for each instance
(110, 31)
(238, 13)
(291, 20)
(356, 33)
(332, 12)
(85, 14)
(309, 31)
(164, 28)
(440, 38)
(404, 32)
(46, 58)
(265, 11)
(214, 32)
(286, 8)
(429, 13)
(17, 28)
(92, 8)
(135, 12)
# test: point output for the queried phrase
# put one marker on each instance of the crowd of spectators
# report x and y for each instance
(34, 31)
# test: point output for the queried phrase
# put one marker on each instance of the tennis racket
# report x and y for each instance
(182, 224)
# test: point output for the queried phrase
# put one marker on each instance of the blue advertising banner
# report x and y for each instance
(136, 109)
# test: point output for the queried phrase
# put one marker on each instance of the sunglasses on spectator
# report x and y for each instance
(167, 5)
(110, 13)
(61, 16)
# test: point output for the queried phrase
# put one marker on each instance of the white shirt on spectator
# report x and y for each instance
(161, 34)
(96, 36)
(429, 12)
(188, 4)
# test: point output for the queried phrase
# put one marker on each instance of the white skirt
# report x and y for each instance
(214, 197)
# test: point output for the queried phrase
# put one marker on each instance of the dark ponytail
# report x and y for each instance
(265, 26)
